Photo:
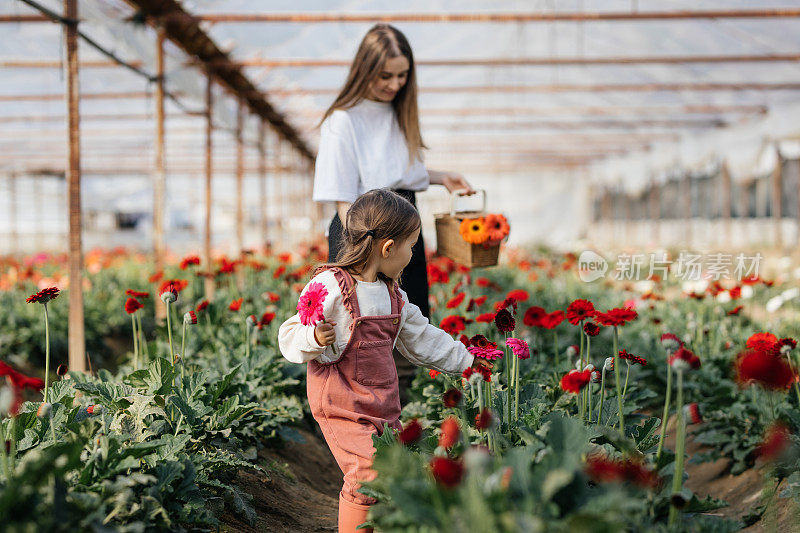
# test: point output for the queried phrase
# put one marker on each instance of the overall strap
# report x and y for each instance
(348, 287)
(395, 297)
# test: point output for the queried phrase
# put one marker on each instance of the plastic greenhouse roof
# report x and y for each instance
(615, 137)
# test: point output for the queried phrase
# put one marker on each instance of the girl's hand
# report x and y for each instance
(482, 363)
(454, 181)
(324, 333)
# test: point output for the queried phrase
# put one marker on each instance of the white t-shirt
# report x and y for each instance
(418, 340)
(360, 149)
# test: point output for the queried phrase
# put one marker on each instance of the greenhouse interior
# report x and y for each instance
(507, 266)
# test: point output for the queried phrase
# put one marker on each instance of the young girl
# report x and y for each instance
(369, 139)
(353, 391)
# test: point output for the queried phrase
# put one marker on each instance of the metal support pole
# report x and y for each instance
(13, 195)
(727, 202)
(686, 200)
(76, 341)
(159, 174)
(262, 182)
(240, 192)
(655, 210)
(777, 194)
(209, 268)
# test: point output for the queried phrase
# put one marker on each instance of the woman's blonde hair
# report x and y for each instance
(375, 215)
(383, 42)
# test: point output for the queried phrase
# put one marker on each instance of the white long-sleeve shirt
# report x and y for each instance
(418, 340)
(363, 148)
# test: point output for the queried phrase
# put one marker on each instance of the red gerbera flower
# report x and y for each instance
(616, 317)
(504, 321)
(453, 324)
(485, 317)
(671, 342)
(173, 285)
(202, 305)
(137, 294)
(735, 310)
(450, 432)
(452, 397)
(483, 282)
(236, 304)
(266, 319)
(411, 433)
(279, 272)
(483, 419)
(273, 297)
(518, 295)
(580, 310)
(603, 470)
(776, 440)
(455, 301)
(132, 305)
(19, 382)
(574, 381)
(482, 342)
(189, 260)
(551, 320)
(155, 278)
(464, 340)
(764, 368)
(43, 296)
(533, 315)
(433, 373)
(684, 359)
(591, 329)
(762, 341)
(692, 411)
(633, 359)
(446, 471)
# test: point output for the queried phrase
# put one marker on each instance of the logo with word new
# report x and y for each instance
(591, 266)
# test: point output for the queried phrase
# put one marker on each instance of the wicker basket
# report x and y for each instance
(451, 244)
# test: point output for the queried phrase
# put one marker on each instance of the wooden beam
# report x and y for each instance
(520, 61)
(51, 97)
(207, 264)
(55, 63)
(76, 340)
(572, 88)
(185, 31)
(588, 124)
(24, 18)
(159, 172)
(441, 17)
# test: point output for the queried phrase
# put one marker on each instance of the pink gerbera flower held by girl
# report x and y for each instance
(356, 305)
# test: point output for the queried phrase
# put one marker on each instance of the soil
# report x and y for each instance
(299, 491)
(742, 492)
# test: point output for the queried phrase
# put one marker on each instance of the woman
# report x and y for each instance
(369, 139)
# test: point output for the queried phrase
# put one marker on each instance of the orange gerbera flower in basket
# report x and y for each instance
(473, 230)
(497, 227)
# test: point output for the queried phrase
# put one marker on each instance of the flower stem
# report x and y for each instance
(666, 413)
(588, 361)
(246, 340)
(616, 379)
(627, 375)
(143, 350)
(516, 388)
(52, 426)
(183, 349)
(555, 347)
(135, 343)
(508, 364)
(169, 330)
(3, 454)
(677, 480)
(602, 394)
(46, 352)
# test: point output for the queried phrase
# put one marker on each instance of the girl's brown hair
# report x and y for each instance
(383, 42)
(375, 215)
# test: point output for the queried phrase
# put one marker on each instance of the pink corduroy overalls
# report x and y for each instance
(353, 397)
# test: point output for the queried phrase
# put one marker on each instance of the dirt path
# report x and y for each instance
(298, 493)
(742, 492)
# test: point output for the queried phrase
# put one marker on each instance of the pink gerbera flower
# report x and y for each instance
(310, 304)
(519, 347)
(485, 353)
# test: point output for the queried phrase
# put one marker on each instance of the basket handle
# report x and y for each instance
(455, 194)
